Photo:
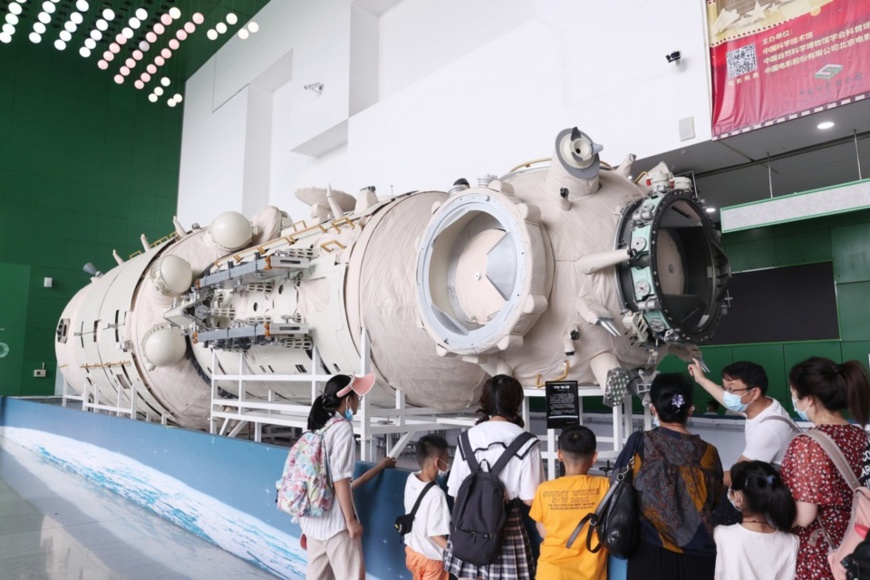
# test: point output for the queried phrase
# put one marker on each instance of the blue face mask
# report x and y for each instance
(801, 414)
(732, 402)
(348, 414)
(655, 421)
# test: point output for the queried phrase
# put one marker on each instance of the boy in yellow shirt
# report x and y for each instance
(561, 503)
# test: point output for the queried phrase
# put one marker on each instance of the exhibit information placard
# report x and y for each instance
(563, 404)
(775, 61)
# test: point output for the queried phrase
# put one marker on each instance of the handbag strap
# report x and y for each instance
(414, 509)
(582, 523)
(592, 518)
(786, 420)
(833, 451)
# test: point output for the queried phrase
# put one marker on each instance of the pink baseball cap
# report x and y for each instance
(359, 384)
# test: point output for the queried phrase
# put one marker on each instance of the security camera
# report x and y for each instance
(674, 56)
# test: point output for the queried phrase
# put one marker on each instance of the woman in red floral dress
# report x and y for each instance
(820, 391)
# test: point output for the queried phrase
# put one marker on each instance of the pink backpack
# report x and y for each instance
(305, 488)
(859, 522)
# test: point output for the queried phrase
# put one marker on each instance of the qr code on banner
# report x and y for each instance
(741, 61)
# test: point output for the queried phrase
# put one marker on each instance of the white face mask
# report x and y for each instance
(443, 472)
(734, 402)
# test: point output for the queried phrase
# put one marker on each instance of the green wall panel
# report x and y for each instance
(85, 166)
(851, 253)
(752, 255)
(803, 248)
(14, 295)
(796, 352)
(853, 312)
(859, 351)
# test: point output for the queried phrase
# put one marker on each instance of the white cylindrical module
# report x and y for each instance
(567, 272)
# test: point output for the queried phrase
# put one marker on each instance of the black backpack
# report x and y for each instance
(480, 510)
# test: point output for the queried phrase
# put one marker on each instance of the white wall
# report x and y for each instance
(463, 89)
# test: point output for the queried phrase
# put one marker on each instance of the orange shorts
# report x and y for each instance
(422, 568)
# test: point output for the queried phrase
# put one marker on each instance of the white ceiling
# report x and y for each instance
(734, 170)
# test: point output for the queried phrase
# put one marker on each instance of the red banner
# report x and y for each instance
(775, 61)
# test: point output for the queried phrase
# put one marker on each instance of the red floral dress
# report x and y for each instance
(812, 478)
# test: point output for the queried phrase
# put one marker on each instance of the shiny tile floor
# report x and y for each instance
(55, 525)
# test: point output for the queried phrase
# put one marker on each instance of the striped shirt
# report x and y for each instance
(340, 448)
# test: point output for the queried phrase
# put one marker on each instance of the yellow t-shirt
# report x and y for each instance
(559, 505)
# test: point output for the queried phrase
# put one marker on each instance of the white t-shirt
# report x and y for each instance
(767, 439)
(432, 518)
(340, 448)
(742, 554)
(523, 473)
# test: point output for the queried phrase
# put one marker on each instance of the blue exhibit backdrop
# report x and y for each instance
(220, 489)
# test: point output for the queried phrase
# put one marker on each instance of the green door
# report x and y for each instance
(14, 290)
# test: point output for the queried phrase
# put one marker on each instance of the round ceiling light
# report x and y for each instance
(59, 44)
(165, 81)
(15, 8)
(141, 13)
(82, 6)
(108, 14)
(232, 19)
(101, 24)
(198, 18)
(85, 52)
(825, 125)
(211, 34)
(244, 34)
(175, 13)
(37, 27)
(221, 27)
(76, 17)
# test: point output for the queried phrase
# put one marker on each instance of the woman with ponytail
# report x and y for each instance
(761, 547)
(821, 390)
(334, 539)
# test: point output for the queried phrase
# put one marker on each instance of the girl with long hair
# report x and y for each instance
(334, 539)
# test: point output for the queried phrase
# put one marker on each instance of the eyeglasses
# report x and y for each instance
(730, 390)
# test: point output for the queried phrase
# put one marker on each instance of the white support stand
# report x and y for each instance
(118, 408)
(230, 416)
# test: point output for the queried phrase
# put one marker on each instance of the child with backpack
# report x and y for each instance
(426, 503)
(561, 502)
(334, 538)
(761, 547)
(497, 465)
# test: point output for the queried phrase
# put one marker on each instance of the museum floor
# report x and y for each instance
(54, 525)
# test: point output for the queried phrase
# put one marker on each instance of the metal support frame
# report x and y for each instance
(117, 408)
(229, 416)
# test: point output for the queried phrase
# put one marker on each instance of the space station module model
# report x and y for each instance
(566, 271)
